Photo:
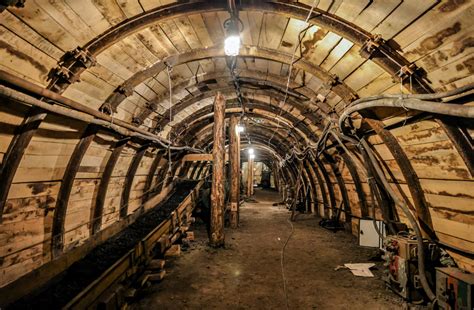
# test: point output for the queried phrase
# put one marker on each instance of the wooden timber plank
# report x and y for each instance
(349, 10)
(273, 28)
(17, 53)
(130, 7)
(375, 13)
(432, 22)
(404, 14)
(35, 16)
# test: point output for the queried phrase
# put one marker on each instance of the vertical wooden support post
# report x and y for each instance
(217, 192)
(250, 176)
(234, 157)
(276, 177)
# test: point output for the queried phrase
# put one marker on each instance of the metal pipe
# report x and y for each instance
(86, 117)
(431, 96)
(412, 104)
(8, 78)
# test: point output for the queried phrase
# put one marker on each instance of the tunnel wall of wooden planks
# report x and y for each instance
(63, 182)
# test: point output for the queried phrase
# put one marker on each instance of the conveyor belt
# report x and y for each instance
(103, 261)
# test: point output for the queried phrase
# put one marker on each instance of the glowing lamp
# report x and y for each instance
(232, 45)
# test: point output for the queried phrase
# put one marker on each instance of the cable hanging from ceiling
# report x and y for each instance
(293, 61)
(234, 26)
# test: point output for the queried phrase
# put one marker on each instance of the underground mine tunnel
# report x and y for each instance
(240, 154)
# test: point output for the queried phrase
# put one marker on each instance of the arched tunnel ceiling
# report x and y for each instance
(132, 49)
(351, 49)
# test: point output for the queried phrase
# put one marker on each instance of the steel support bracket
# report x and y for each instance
(371, 46)
(80, 56)
(332, 81)
(125, 90)
(4, 4)
(65, 73)
(406, 72)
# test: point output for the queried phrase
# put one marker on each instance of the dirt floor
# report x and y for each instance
(247, 273)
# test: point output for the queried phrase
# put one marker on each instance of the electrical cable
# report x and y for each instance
(434, 107)
(118, 126)
(170, 86)
(411, 218)
(431, 96)
(292, 62)
(282, 263)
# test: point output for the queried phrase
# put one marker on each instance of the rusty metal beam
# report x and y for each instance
(151, 173)
(342, 186)
(127, 187)
(323, 186)
(14, 154)
(357, 182)
(72, 168)
(329, 185)
(270, 81)
(204, 123)
(312, 179)
(408, 172)
(98, 209)
(230, 91)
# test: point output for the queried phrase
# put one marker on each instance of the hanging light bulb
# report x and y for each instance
(232, 40)
(251, 152)
(232, 45)
(240, 128)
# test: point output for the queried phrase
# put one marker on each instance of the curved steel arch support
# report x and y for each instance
(364, 210)
(15, 152)
(409, 174)
(60, 211)
(98, 209)
(151, 173)
(329, 185)
(127, 187)
(341, 184)
(323, 187)
(312, 179)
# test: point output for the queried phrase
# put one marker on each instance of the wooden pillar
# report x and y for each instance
(218, 180)
(276, 177)
(250, 176)
(234, 157)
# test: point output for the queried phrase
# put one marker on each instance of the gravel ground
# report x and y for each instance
(247, 274)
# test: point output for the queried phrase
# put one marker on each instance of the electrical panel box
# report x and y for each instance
(401, 261)
(454, 289)
(368, 235)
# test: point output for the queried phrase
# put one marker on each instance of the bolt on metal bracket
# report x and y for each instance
(371, 46)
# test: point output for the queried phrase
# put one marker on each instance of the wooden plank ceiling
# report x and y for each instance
(434, 35)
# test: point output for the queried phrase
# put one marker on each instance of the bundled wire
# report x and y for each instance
(408, 102)
(417, 102)
(293, 61)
